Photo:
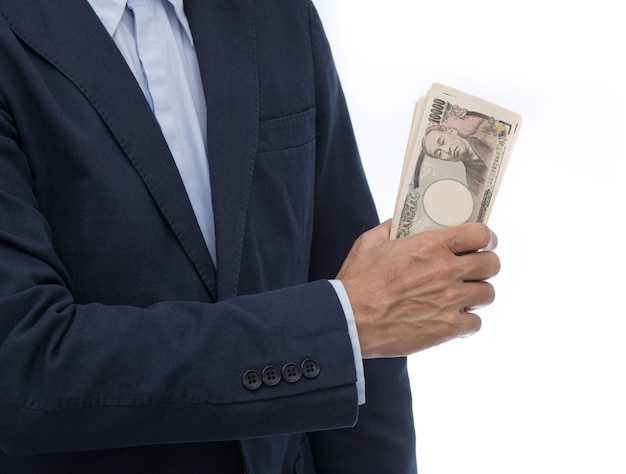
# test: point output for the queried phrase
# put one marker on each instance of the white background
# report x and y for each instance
(541, 388)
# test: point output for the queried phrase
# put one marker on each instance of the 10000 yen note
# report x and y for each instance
(458, 149)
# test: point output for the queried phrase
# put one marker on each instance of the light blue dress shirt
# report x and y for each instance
(156, 42)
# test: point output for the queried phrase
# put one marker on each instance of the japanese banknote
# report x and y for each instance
(458, 149)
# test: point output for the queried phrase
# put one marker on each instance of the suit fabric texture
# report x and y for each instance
(122, 347)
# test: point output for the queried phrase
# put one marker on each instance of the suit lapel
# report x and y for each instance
(225, 45)
(70, 36)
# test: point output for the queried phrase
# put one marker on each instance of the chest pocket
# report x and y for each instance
(285, 133)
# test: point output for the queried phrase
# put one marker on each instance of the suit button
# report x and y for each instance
(310, 368)
(292, 373)
(271, 375)
(252, 380)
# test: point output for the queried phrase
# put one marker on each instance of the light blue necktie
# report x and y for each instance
(173, 89)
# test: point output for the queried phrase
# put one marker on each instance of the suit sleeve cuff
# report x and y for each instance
(354, 337)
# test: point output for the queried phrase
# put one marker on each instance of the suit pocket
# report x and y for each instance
(287, 132)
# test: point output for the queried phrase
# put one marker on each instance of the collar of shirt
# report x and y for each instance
(110, 13)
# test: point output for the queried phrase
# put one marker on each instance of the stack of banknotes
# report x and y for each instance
(458, 150)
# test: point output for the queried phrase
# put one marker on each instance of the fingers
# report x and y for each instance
(470, 237)
(459, 239)
(472, 324)
(481, 294)
(478, 294)
(480, 265)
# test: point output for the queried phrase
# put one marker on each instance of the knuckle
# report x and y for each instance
(486, 294)
(483, 233)
(473, 324)
(492, 263)
(445, 271)
(497, 264)
(489, 293)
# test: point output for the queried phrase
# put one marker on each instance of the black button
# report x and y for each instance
(252, 380)
(310, 368)
(271, 375)
(292, 372)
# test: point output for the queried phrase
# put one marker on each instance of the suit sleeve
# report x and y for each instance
(383, 439)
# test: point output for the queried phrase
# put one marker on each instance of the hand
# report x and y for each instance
(418, 291)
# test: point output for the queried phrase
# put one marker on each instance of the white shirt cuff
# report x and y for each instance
(354, 337)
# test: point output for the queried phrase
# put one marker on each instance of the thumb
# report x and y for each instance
(377, 235)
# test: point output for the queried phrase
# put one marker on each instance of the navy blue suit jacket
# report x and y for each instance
(121, 346)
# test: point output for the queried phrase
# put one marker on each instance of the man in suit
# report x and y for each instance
(179, 289)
